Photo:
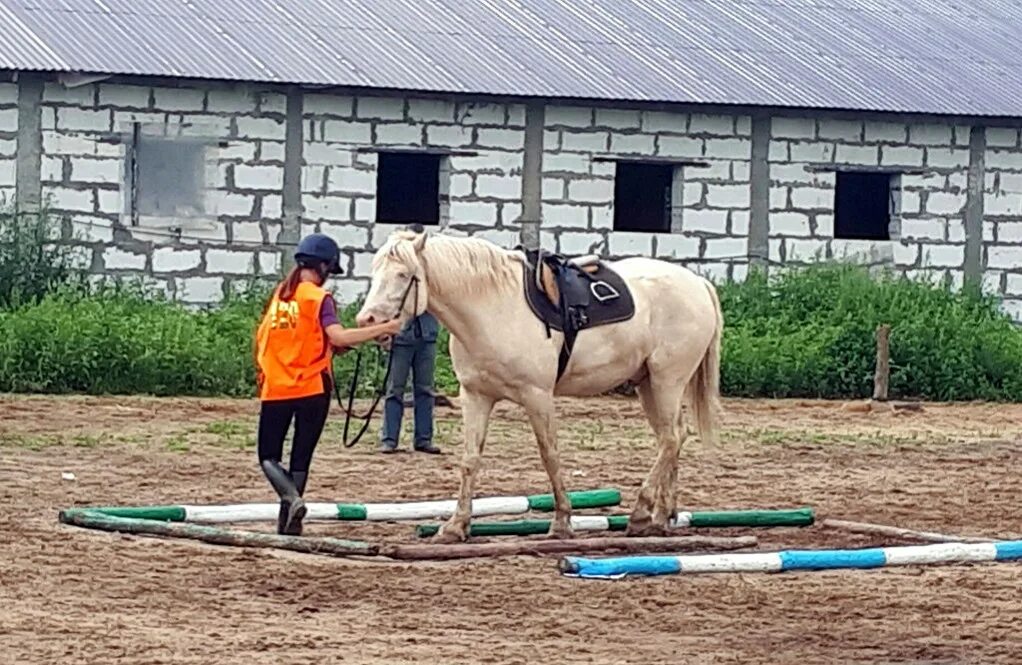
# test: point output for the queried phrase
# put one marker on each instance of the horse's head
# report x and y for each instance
(398, 287)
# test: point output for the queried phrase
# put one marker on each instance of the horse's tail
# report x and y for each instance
(704, 386)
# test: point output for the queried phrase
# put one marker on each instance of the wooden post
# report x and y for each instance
(882, 377)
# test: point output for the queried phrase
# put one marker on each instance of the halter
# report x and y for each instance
(381, 390)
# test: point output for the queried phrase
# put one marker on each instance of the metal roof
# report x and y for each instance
(958, 57)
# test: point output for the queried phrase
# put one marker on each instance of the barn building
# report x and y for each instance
(194, 141)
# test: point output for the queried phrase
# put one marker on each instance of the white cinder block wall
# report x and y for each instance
(197, 258)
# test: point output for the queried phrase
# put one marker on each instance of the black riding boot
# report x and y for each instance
(292, 506)
(295, 528)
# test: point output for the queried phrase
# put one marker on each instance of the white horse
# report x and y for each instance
(500, 351)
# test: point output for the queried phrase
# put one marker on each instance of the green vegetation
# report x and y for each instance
(802, 333)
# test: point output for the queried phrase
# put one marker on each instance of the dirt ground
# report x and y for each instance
(70, 595)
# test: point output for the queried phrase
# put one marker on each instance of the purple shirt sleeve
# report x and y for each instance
(328, 313)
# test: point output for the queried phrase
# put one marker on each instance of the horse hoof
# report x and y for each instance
(644, 529)
(561, 533)
(449, 537)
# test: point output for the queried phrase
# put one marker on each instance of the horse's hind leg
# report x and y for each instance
(662, 400)
(540, 407)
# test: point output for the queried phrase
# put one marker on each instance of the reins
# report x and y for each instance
(381, 389)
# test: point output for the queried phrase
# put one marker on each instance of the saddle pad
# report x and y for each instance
(617, 310)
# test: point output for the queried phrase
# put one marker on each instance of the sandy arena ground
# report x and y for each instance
(75, 596)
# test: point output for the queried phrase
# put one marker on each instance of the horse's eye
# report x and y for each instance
(402, 275)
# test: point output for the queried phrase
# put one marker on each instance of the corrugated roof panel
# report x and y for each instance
(928, 56)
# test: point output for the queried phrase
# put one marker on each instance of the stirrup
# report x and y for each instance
(613, 293)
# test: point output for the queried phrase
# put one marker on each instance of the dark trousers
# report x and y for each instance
(309, 415)
(419, 359)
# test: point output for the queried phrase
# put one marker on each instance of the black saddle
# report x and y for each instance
(571, 295)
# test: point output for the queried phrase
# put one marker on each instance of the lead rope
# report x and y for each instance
(381, 389)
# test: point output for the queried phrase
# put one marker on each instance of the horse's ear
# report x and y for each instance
(420, 242)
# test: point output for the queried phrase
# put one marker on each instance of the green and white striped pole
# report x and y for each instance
(372, 512)
(699, 519)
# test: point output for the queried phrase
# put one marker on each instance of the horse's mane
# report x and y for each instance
(456, 266)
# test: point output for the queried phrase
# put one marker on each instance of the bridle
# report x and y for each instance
(381, 390)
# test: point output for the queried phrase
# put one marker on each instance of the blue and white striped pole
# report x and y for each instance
(775, 562)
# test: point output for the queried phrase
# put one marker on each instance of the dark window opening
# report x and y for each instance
(408, 188)
(642, 197)
(862, 206)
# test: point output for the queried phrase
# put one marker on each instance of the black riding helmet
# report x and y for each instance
(317, 248)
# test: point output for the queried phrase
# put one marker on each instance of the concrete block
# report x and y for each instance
(577, 117)
(705, 221)
(942, 256)
(577, 244)
(314, 179)
(793, 128)
(510, 213)
(741, 171)
(901, 156)
(259, 177)
(955, 230)
(693, 194)
(450, 136)
(78, 200)
(989, 231)
(337, 208)
(789, 224)
(1011, 182)
(85, 169)
(365, 210)
(343, 131)
(273, 102)
(726, 248)
(380, 108)
(271, 151)
(201, 289)
(624, 243)
(154, 123)
(779, 151)
(341, 106)
(179, 99)
(124, 96)
(991, 283)
(779, 198)
(963, 135)
(354, 181)
(110, 202)
(115, 258)
(90, 229)
(272, 206)
(230, 262)
(805, 251)
(905, 253)
(930, 134)
(591, 191)
(316, 152)
(553, 189)
(660, 121)
(226, 100)
(776, 248)
(505, 139)
(78, 120)
(52, 170)
(247, 232)
(823, 225)
(911, 202)
(618, 119)
(739, 222)
(398, 134)
(268, 263)
(728, 196)
(348, 236)
(601, 217)
(944, 203)
(886, 132)
(473, 212)
(204, 126)
(461, 185)
(679, 146)
(922, 229)
(1004, 159)
(795, 174)
(472, 113)
(494, 162)
(1002, 137)
(502, 238)
(500, 187)
(737, 148)
(743, 125)
(812, 198)
(8, 148)
(1002, 203)
(586, 142)
(260, 128)
(566, 216)
(1009, 232)
(712, 125)
(632, 144)
(815, 152)
(840, 130)
(677, 246)
(949, 158)
(174, 260)
(242, 151)
(551, 140)
(83, 95)
(859, 155)
(515, 115)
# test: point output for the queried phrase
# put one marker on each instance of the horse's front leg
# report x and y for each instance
(475, 416)
(540, 407)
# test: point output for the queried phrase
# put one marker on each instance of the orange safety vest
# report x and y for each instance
(292, 351)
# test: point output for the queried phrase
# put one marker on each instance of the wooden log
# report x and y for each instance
(545, 547)
(882, 375)
(880, 530)
(216, 535)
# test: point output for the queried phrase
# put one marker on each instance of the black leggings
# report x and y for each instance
(309, 415)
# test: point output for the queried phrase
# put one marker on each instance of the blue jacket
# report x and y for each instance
(420, 329)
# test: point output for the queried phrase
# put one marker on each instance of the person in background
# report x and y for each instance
(414, 351)
(294, 347)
